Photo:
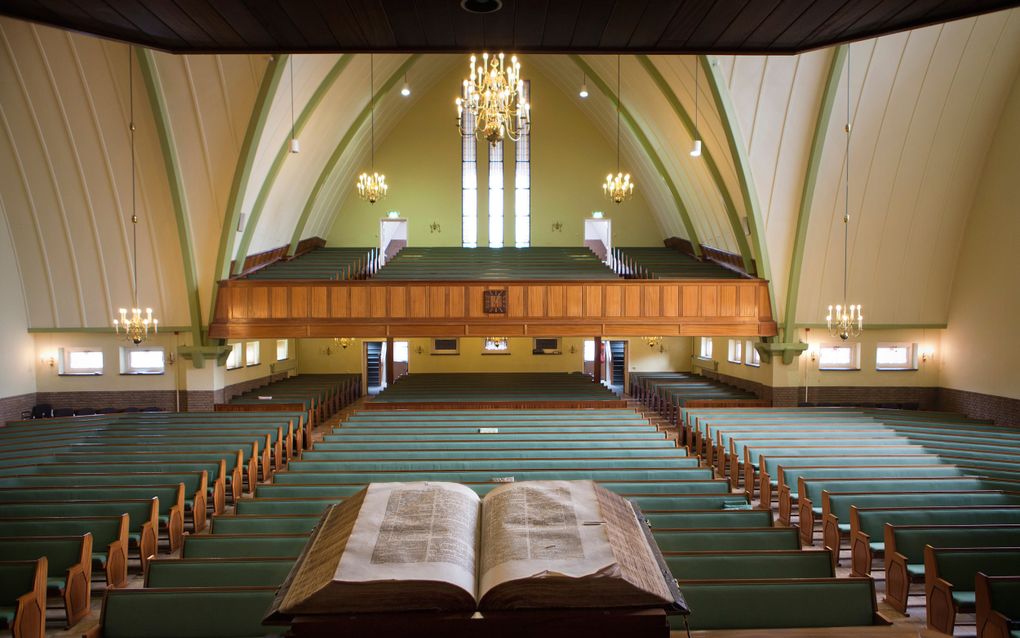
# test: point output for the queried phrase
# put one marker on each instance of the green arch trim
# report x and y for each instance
(706, 154)
(649, 151)
(341, 148)
(171, 163)
(832, 79)
(742, 162)
(281, 157)
(242, 172)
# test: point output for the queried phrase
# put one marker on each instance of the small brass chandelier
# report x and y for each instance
(136, 325)
(494, 97)
(618, 187)
(847, 321)
(343, 342)
(651, 342)
(372, 187)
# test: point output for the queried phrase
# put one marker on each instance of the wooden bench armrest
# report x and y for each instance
(219, 492)
(941, 611)
(860, 554)
(30, 615)
(78, 589)
(116, 564)
(785, 500)
(897, 580)
(198, 510)
(831, 536)
(806, 520)
(764, 489)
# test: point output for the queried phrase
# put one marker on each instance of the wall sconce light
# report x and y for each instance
(927, 352)
(171, 358)
(419, 350)
(573, 350)
(557, 227)
(434, 227)
(49, 359)
(813, 351)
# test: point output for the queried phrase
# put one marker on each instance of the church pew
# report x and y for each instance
(835, 510)
(170, 500)
(215, 470)
(23, 597)
(269, 505)
(272, 524)
(789, 478)
(780, 603)
(218, 572)
(867, 525)
(69, 567)
(680, 464)
(949, 579)
(143, 516)
(709, 518)
(476, 476)
(322, 450)
(810, 508)
(244, 545)
(748, 564)
(997, 605)
(762, 454)
(620, 454)
(660, 488)
(904, 551)
(109, 532)
(713, 540)
(143, 461)
(185, 612)
(195, 483)
(773, 466)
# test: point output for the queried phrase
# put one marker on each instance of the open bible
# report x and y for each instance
(440, 547)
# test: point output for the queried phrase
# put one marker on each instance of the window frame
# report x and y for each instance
(236, 353)
(751, 356)
(855, 357)
(735, 351)
(445, 351)
(535, 350)
(705, 354)
(127, 368)
(912, 357)
(286, 349)
(258, 354)
(64, 363)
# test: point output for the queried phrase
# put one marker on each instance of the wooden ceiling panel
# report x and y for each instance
(582, 26)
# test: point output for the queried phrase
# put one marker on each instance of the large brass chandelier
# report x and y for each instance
(372, 187)
(847, 321)
(618, 187)
(136, 325)
(493, 95)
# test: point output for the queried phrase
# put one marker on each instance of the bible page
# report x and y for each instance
(543, 528)
(414, 531)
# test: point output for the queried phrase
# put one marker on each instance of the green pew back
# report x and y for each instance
(218, 572)
(187, 613)
(749, 565)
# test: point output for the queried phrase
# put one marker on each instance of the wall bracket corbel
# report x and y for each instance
(789, 351)
(198, 355)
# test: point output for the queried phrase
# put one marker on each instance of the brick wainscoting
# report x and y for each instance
(1002, 410)
(162, 399)
(12, 407)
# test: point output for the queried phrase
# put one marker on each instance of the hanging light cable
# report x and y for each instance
(136, 326)
(295, 145)
(372, 187)
(696, 150)
(848, 320)
(620, 186)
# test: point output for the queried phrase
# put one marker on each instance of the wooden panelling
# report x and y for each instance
(249, 308)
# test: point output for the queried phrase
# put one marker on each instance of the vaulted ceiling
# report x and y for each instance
(216, 181)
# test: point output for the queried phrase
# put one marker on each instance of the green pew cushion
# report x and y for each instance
(964, 598)
(7, 615)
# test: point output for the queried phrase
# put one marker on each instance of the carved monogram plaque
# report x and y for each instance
(494, 302)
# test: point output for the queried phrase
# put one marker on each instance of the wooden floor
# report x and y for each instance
(903, 626)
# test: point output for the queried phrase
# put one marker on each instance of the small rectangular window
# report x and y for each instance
(896, 356)
(445, 346)
(400, 352)
(735, 351)
(252, 356)
(282, 349)
(496, 345)
(589, 350)
(705, 349)
(546, 346)
(839, 357)
(81, 361)
(751, 356)
(142, 360)
(234, 358)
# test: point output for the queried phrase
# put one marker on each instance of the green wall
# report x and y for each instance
(421, 160)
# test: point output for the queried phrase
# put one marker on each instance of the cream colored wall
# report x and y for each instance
(421, 160)
(267, 364)
(673, 354)
(17, 374)
(981, 348)
(804, 371)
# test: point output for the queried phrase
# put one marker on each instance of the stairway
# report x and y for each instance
(618, 349)
(373, 354)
